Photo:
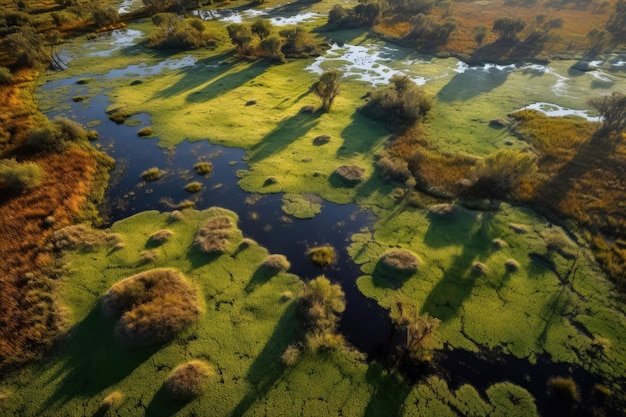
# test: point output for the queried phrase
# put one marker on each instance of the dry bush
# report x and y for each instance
(394, 168)
(277, 262)
(511, 265)
(214, 236)
(193, 187)
(81, 236)
(152, 174)
(498, 244)
(152, 306)
(400, 260)
(188, 380)
(443, 210)
(203, 168)
(319, 309)
(350, 174)
(479, 268)
(291, 355)
(112, 401)
(563, 388)
(160, 237)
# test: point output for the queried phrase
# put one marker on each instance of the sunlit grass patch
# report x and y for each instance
(193, 187)
(301, 206)
(152, 174)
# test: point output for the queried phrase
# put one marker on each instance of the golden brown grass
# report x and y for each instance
(569, 39)
(214, 236)
(152, 306)
(188, 380)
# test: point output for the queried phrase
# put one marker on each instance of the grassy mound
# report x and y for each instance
(400, 261)
(277, 262)
(188, 380)
(203, 168)
(81, 236)
(301, 206)
(214, 236)
(193, 187)
(322, 255)
(152, 306)
(160, 237)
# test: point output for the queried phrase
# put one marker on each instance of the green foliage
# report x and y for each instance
(301, 207)
(103, 15)
(188, 380)
(29, 48)
(240, 34)
(327, 87)
(399, 104)
(498, 174)
(322, 255)
(415, 330)
(262, 28)
(5, 76)
(152, 174)
(272, 48)
(298, 42)
(320, 307)
(277, 262)
(363, 14)
(193, 187)
(400, 261)
(291, 355)
(20, 176)
(203, 168)
(177, 33)
(428, 31)
(480, 33)
(145, 131)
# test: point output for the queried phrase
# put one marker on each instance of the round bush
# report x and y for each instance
(152, 174)
(322, 255)
(145, 131)
(203, 168)
(479, 268)
(160, 237)
(152, 306)
(277, 262)
(563, 388)
(511, 265)
(400, 260)
(188, 380)
(193, 187)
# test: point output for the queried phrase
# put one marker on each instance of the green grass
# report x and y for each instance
(301, 206)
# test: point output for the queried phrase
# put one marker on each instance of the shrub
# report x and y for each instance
(394, 168)
(160, 237)
(498, 244)
(46, 138)
(188, 380)
(563, 388)
(214, 236)
(80, 236)
(350, 175)
(203, 168)
(479, 268)
(277, 262)
(119, 114)
(112, 401)
(152, 174)
(327, 87)
(400, 261)
(499, 173)
(511, 265)
(322, 255)
(319, 309)
(152, 306)
(400, 103)
(5, 76)
(20, 176)
(177, 33)
(291, 355)
(193, 187)
(443, 210)
(145, 131)
(414, 329)
(70, 130)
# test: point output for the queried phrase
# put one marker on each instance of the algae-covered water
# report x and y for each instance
(245, 119)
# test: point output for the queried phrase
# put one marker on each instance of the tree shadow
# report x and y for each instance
(163, 405)
(473, 82)
(445, 299)
(262, 275)
(288, 131)
(199, 258)
(362, 135)
(390, 392)
(383, 277)
(227, 82)
(94, 360)
(267, 368)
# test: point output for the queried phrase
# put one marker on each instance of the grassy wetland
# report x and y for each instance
(368, 209)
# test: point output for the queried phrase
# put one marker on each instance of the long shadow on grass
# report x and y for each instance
(472, 83)
(262, 275)
(390, 392)
(288, 131)
(200, 258)
(162, 404)
(93, 360)
(361, 136)
(267, 368)
(445, 299)
(227, 82)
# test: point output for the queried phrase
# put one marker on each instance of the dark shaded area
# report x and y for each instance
(262, 275)
(163, 405)
(95, 360)
(390, 392)
(268, 368)
(473, 82)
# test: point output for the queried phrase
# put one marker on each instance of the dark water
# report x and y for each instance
(365, 324)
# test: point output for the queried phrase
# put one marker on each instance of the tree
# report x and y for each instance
(239, 34)
(480, 33)
(29, 48)
(20, 176)
(612, 110)
(508, 27)
(415, 331)
(271, 47)
(262, 28)
(327, 87)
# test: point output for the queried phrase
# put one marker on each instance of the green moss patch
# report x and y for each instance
(322, 255)
(301, 206)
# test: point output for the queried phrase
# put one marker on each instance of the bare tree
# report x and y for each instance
(612, 109)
